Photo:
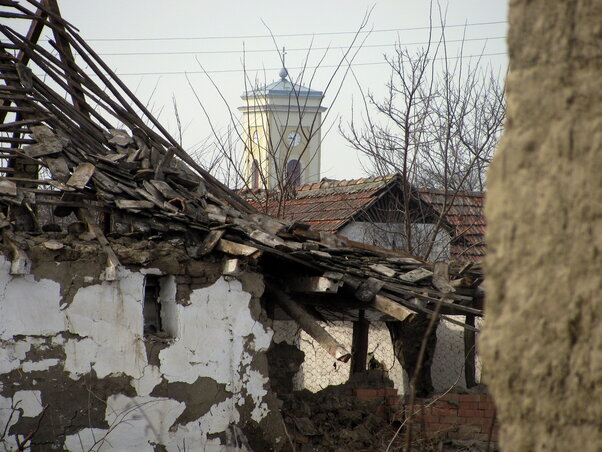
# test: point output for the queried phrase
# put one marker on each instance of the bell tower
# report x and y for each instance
(282, 125)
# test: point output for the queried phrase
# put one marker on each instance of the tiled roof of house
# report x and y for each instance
(327, 205)
(463, 210)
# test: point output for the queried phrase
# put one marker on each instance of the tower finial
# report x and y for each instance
(283, 72)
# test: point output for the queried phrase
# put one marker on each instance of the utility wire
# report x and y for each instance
(288, 35)
(222, 71)
(193, 52)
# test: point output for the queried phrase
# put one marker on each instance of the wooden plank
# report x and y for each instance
(211, 240)
(390, 307)
(81, 175)
(164, 163)
(416, 275)
(8, 187)
(309, 325)
(383, 270)
(133, 204)
(236, 249)
(441, 277)
(368, 289)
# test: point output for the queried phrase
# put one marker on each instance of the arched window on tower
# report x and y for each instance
(293, 172)
(255, 174)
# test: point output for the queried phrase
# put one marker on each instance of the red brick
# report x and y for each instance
(388, 391)
(470, 398)
(444, 411)
(393, 400)
(469, 405)
(429, 419)
(470, 413)
(450, 396)
(485, 406)
(450, 420)
(366, 394)
(476, 420)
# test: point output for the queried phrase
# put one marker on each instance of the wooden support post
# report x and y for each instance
(309, 325)
(469, 353)
(359, 344)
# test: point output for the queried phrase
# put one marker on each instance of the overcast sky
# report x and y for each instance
(153, 44)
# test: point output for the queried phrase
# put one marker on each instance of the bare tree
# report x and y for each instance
(437, 126)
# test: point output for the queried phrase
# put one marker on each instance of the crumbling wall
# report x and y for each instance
(74, 342)
(542, 344)
(319, 369)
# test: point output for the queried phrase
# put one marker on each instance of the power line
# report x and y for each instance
(203, 52)
(222, 71)
(289, 35)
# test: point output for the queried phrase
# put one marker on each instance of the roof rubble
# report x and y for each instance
(88, 157)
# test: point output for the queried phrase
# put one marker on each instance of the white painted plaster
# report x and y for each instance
(151, 377)
(215, 336)
(29, 401)
(109, 315)
(11, 355)
(211, 341)
(28, 307)
(134, 424)
(23, 403)
(45, 364)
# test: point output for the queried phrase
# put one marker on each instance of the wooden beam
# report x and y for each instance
(359, 344)
(309, 324)
(395, 310)
(470, 353)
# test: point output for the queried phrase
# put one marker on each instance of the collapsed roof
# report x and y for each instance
(83, 148)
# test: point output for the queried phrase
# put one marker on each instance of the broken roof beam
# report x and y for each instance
(309, 324)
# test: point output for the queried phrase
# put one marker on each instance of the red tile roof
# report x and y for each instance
(329, 205)
(463, 210)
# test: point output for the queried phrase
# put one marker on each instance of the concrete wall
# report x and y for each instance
(73, 342)
(542, 344)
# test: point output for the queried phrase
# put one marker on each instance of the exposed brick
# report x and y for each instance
(485, 406)
(476, 420)
(444, 411)
(393, 400)
(450, 396)
(469, 405)
(430, 419)
(391, 392)
(366, 394)
(470, 398)
(470, 413)
(449, 420)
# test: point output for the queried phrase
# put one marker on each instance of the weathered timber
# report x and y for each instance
(309, 325)
(389, 307)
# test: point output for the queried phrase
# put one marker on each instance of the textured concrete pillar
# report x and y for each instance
(543, 341)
